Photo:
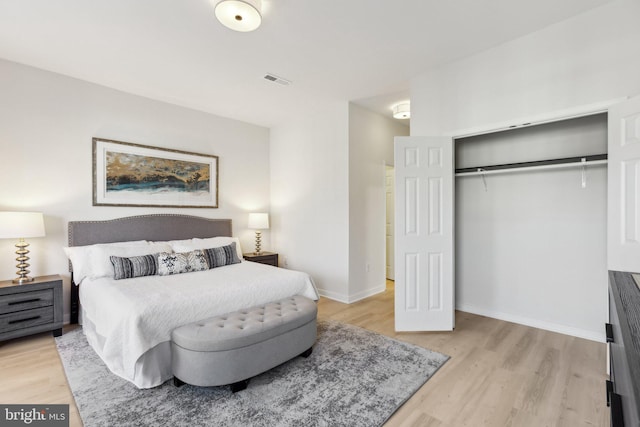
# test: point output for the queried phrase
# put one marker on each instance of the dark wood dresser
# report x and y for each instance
(623, 336)
(31, 308)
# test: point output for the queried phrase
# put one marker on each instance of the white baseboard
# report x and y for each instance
(334, 295)
(367, 293)
(349, 299)
(536, 323)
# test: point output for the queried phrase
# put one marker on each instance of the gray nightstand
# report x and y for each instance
(31, 308)
(269, 258)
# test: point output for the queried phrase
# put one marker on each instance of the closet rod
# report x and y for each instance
(566, 162)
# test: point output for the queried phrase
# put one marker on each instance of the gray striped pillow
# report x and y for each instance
(223, 255)
(136, 266)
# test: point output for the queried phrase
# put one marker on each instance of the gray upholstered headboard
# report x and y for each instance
(159, 227)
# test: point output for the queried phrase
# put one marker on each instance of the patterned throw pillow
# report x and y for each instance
(172, 263)
(137, 266)
(223, 255)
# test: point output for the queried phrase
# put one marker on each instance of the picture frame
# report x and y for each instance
(127, 174)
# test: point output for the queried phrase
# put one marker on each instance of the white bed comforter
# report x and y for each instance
(132, 316)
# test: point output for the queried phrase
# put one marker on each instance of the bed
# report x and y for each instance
(128, 322)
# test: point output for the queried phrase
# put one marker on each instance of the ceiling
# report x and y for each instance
(365, 51)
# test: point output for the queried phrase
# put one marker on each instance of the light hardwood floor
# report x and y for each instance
(499, 374)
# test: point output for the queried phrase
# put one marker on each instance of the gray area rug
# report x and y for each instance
(354, 377)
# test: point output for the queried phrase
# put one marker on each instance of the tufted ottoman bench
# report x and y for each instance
(232, 348)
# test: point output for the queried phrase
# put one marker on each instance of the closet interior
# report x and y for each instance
(530, 225)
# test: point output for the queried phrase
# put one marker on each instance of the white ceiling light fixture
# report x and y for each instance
(239, 15)
(402, 111)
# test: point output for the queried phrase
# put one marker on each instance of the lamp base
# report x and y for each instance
(22, 258)
(258, 242)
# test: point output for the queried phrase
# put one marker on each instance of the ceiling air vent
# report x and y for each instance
(274, 78)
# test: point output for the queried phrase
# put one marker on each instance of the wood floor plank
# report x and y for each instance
(499, 374)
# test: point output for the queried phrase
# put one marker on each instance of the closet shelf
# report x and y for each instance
(567, 162)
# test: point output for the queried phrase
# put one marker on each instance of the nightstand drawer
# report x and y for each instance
(25, 319)
(26, 301)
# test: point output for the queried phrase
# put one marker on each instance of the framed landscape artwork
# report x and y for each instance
(126, 174)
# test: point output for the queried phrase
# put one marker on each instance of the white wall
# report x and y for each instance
(46, 125)
(310, 195)
(589, 59)
(327, 196)
(584, 60)
(370, 149)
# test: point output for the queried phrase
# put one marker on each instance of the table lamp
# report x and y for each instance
(20, 225)
(258, 221)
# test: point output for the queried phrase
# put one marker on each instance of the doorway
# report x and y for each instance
(528, 242)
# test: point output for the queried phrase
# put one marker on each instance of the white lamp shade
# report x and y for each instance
(239, 15)
(259, 221)
(19, 225)
(402, 111)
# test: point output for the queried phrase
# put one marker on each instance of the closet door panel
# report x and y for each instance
(623, 248)
(424, 234)
(629, 201)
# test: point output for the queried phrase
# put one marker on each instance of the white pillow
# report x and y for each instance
(185, 242)
(101, 265)
(211, 242)
(81, 256)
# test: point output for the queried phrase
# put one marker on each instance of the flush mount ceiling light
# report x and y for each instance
(401, 111)
(239, 15)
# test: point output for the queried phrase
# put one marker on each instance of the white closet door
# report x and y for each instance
(424, 288)
(624, 187)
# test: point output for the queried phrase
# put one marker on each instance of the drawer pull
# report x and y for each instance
(12, 322)
(24, 301)
(609, 392)
(608, 328)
